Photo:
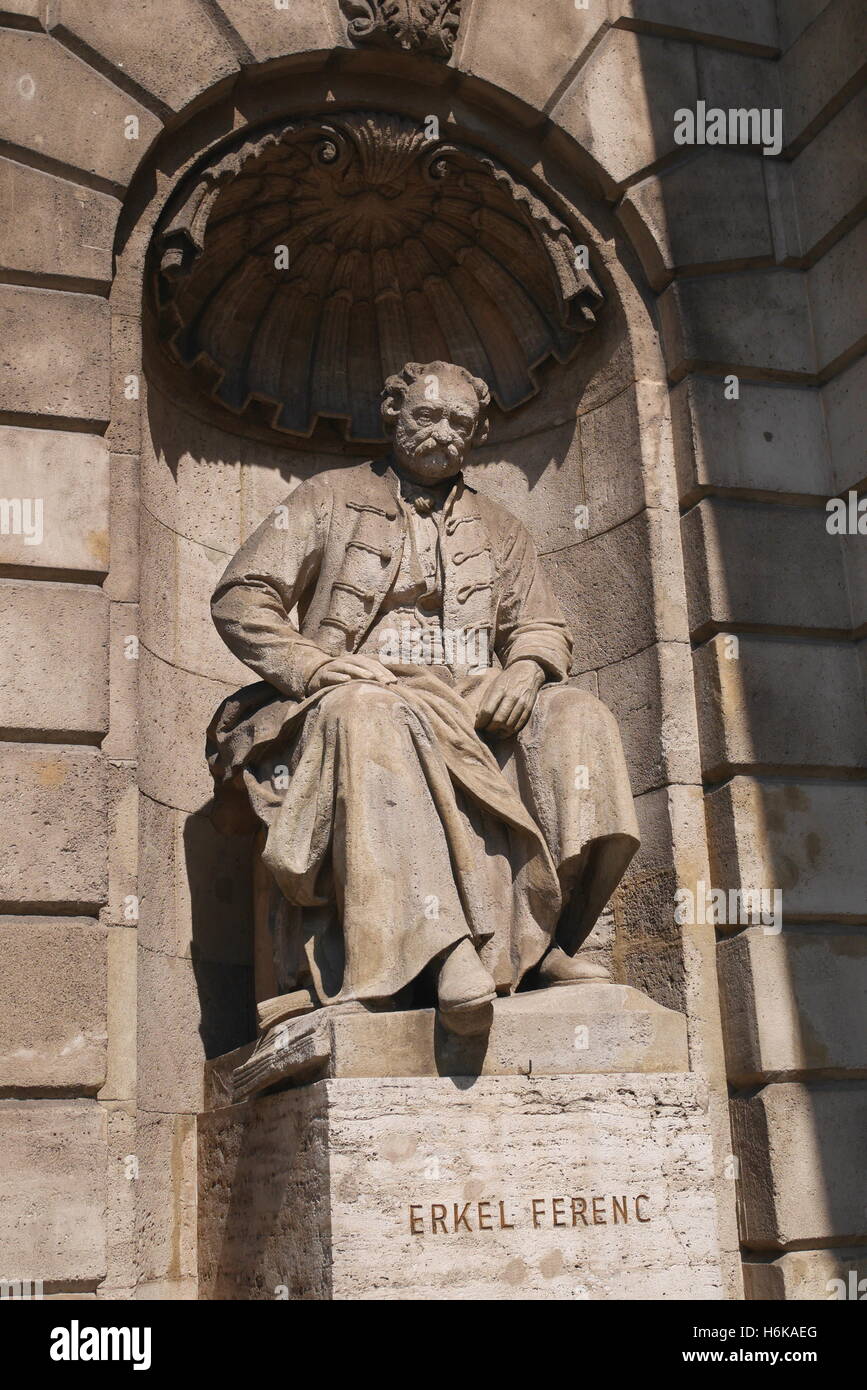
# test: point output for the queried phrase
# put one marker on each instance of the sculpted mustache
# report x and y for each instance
(432, 446)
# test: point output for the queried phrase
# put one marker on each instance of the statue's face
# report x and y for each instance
(434, 429)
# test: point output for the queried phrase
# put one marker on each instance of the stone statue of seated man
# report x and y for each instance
(440, 809)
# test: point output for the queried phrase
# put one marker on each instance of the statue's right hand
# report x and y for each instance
(350, 668)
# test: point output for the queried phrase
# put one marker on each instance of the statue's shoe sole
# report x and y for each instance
(473, 1016)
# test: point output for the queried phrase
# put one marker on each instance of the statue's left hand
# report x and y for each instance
(509, 699)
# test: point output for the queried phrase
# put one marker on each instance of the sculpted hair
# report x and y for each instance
(394, 393)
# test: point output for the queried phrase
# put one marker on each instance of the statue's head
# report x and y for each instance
(434, 413)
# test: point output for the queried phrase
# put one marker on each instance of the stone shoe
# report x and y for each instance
(465, 991)
(559, 969)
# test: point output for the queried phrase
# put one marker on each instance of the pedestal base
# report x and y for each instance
(492, 1187)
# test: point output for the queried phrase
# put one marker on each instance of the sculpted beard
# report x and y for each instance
(427, 454)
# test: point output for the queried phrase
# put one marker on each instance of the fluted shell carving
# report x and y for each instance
(309, 264)
(419, 26)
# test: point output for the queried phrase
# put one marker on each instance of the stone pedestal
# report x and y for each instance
(563, 1179)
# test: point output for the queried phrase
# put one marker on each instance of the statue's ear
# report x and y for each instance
(483, 428)
(390, 410)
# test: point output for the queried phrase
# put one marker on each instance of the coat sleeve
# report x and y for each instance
(273, 572)
(530, 625)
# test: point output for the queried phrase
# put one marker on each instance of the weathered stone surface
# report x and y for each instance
(620, 107)
(59, 107)
(837, 298)
(758, 324)
(168, 47)
(165, 1200)
(349, 1163)
(27, 12)
(771, 440)
(539, 479)
(794, 1004)
(206, 1011)
(824, 62)
(751, 23)
(55, 848)
(54, 353)
(196, 886)
(122, 583)
(178, 707)
(639, 560)
(69, 475)
(845, 402)
(121, 742)
(51, 227)
(306, 26)
(586, 1029)
(751, 562)
(807, 839)
(53, 1019)
(178, 578)
(678, 219)
(627, 456)
(500, 34)
(645, 695)
(121, 908)
(52, 1188)
(120, 1078)
(794, 17)
(780, 704)
(802, 1151)
(128, 386)
(55, 681)
(828, 178)
(813, 1275)
(194, 489)
(120, 1203)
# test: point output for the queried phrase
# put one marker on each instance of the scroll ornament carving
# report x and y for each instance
(416, 26)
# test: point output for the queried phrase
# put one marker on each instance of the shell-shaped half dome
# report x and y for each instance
(312, 262)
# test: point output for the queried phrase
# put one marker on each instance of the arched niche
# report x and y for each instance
(579, 421)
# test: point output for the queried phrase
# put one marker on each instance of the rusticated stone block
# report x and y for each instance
(169, 47)
(802, 1152)
(825, 61)
(55, 353)
(813, 1275)
(305, 26)
(53, 1019)
(837, 298)
(780, 703)
(679, 219)
(501, 34)
(55, 837)
(55, 227)
(55, 680)
(794, 1004)
(502, 1189)
(828, 178)
(52, 1189)
(807, 839)
(620, 107)
(757, 324)
(62, 483)
(771, 439)
(62, 109)
(751, 562)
